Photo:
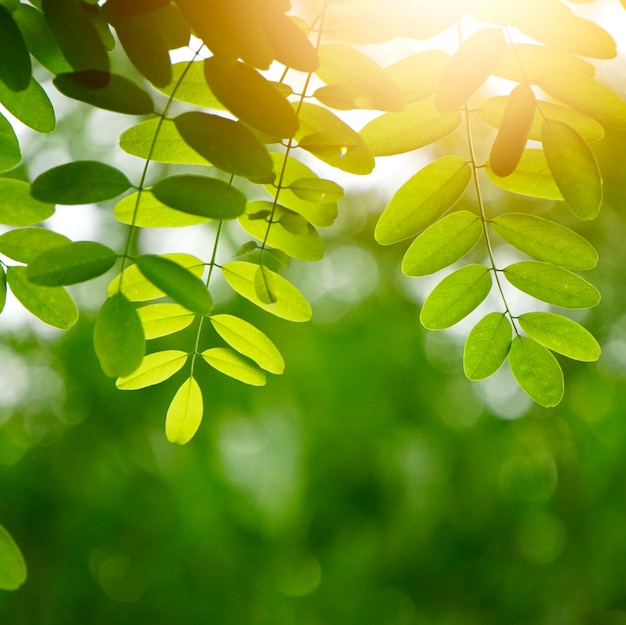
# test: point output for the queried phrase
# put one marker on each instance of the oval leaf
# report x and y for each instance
(3, 288)
(184, 414)
(13, 570)
(118, 337)
(424, 198)
(71, 263)
(15, 68)
(164, 319)
(145, 211)
(316, 190)
(455, 297)
(230, 363)
(561, 335)
(176, 282)
(10, 153)
(18, 207)
(154, 369)
(546, 240)
(442, 244)
(487, 346)
(80, 182)
(31, 106)
(552, 284)
(536, 371)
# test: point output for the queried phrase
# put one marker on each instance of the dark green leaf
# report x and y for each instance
(15, 68)
(51, 304)
(176, 282)
(10, 153)
(80, 182)
(12, 566)
(200, 195)
(487, 346)
(71, 263)
(118, 337)
(31, 106)
(18, 207)
(24, 244)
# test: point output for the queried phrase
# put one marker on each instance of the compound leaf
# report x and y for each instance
(487, 346)
(184, 414)
(154, 369)
(230, 363)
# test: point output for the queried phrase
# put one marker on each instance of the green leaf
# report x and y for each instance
(249, 341)
(531, 177)
(80, 182)
(322, 215)
(154, 369)
(138, 289)
(420, 124)
(150, 213)
(118, 337)
(3, 288)
(188, 85)
(176, 282)
(18, 207)
(263, 286)
(316, 190)
(290, 43)
(586, 95)
(31, 106)
(51, 304)
(491, 111)
(289, 232)
(184, 414)
(24, 244)
(168, 147)
(71, 263)
(536, 371)
(455, 297)
(469, 68)
(10, 153)
(573, 167)
(552, 284)
(546, 240)
(561, 335)
(527, 62)
(103, 90)
(442, 244)
(251, 97)
(289, 303)
(425, 197)
(13, 570)
(329, 138)
(487, 346)
(15, 68)
(200, 195)
(164, 319)
(230, 363)
(418, 75)
(227, 144)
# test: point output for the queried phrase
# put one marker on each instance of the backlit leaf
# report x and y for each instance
(31, 106)
(80, 182)
(138, 289)
(184, 414)
(573, 168)
(316, 190)
(15, 68)
(10, 153)
(13, 568)
(290, 44)
(229, 145)
(188, 85)
(561, 335)
(442, 243)
(118, 337)
(487, 346)
(455, 297)
(176, 282)
(552, 284)
(230, 363)
(418, 75)
(586, 95)
(532, 177)
(150, 213)
(154, 369)
(469, 68)
(18, 207)
(249, 341)
(424, 198)
(546, 240)
(290, 304)
(51, 304)
(200, 195)
(536, 371)
(420, 124)
(164, 319)
(71, 263)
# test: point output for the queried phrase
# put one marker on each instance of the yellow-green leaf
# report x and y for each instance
(230, 363)
(10, 153)
(31, 106)
(18, 207)
(154, 369)
(316, 190)
(188, 85)
(574, 168)
(184, 414)
(417, 75)
(12, 566)
(24, 244)
(424, 198)
(164, 319)
(487, 346)
(455, 297)
(150, 213)
(536, 371)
